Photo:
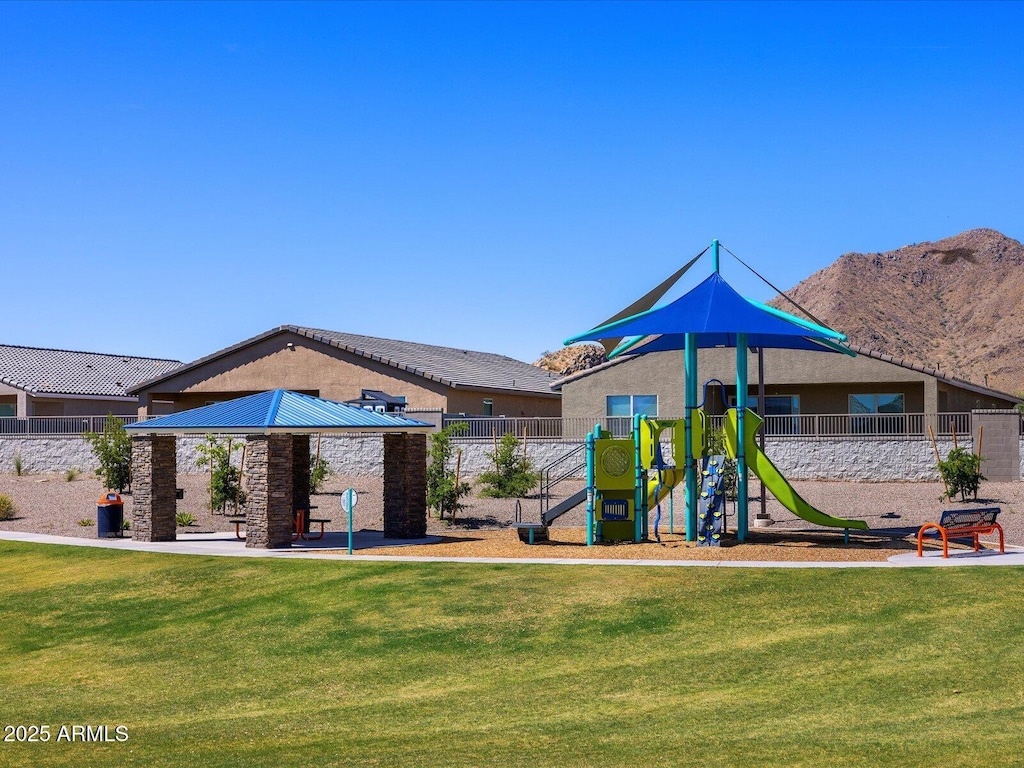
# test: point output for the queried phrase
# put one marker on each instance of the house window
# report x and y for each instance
(876, 404)
(776, 406)
(626, 406)
(622, 408)
(8, 410)
(878, 414)
(488, 407)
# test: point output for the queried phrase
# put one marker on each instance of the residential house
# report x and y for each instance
(340, 366)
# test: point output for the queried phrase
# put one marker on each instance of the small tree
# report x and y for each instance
(319, 471)
(961, 473)
(113, 449)
(443, 490)
(225, 478)
(513, 476)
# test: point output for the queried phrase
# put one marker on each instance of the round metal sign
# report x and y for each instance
(349, 499)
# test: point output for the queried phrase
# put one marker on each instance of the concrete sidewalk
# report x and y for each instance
(334, 546)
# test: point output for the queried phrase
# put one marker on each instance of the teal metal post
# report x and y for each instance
(349, 506)
(714, 256)
(741, 455)
(591, 493)
(690, 403)
(638, 488)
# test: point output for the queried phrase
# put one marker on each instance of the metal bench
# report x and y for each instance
(963, 524)
(238, 521)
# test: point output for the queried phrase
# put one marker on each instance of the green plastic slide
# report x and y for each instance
(780, 488)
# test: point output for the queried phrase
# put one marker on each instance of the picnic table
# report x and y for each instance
(299, 529)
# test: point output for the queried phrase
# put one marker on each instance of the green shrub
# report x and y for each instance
(443, 488)
(513, 476)
(7, 508)
(113, 449)
(319, 471)
(71, 474)
(225, 478)
(19, 464)
(85, 522)
(184, 519)
(961, 473)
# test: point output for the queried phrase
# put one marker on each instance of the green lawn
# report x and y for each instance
(249, 662)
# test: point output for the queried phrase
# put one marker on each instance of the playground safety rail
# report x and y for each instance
(571, 465)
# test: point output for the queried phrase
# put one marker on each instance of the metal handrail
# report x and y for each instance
(853, 425)
(572, 462)
(57, 425)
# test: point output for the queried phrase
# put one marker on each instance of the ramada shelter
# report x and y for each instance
(277, 426)
(341, 366)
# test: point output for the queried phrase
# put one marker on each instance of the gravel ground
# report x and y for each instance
(50, 504)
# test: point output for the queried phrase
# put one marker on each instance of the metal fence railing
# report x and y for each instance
(575, 429)
(800, 425)
(57, 425)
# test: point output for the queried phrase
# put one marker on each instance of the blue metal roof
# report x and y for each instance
(279, 410)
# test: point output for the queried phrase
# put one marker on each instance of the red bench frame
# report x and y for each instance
(949, 527)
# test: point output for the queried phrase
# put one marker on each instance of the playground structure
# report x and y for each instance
(625, 477)
(628, 478)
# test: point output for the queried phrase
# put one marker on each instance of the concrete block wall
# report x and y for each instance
(999, 435)
(867, 459)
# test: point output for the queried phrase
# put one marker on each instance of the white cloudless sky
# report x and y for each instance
(494, 176)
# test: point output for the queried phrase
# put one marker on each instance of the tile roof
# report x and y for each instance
(454, 367)
(63, 372)
(457, 368)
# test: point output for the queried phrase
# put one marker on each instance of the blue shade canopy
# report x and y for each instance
(278, 410)
(717, 314)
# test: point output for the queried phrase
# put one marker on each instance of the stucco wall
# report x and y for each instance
(471, 403)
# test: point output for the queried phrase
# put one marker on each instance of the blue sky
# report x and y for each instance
(177, 177)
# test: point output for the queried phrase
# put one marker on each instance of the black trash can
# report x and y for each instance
(110, 516)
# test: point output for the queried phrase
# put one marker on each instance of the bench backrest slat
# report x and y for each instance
(966, 518)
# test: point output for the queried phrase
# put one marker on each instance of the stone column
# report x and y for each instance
(405, 486)
(270, 517)
(300, 475)
(154, 474)
(1000, 443)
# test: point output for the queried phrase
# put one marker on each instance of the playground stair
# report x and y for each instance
(571, 465)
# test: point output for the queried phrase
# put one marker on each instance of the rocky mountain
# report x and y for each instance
(572, 359)
(955, 304)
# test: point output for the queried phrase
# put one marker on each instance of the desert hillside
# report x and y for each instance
(572, 359)
(954, 304)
